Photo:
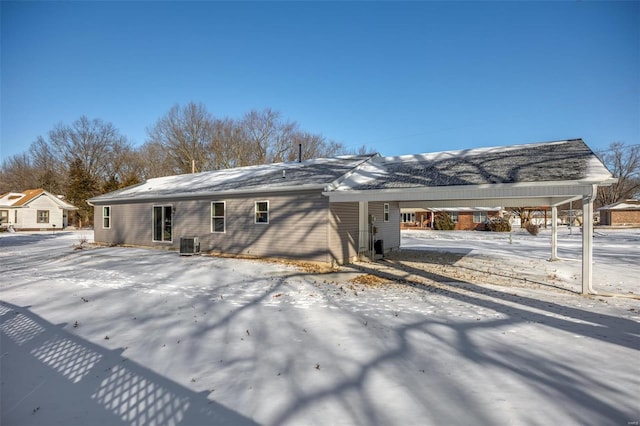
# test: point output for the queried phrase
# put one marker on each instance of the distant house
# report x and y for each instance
(464, 218)
(34, 209)
(622, 213)
(336, 209)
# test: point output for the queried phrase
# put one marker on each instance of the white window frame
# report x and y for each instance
(163, 219)
(480, 215)
(257, 212)
(385, 212)
(48, 217)
(107, 217)
(408, 217)
(224, 217)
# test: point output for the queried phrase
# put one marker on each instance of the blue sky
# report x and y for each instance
(399, 77)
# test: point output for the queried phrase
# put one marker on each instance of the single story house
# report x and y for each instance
(335, 209)
(273, 210)
(622, 213)
(464, 218)
(34, 210)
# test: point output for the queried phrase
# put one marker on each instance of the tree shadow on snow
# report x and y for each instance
(580, 394)
(612, 329)
(18, 239)
(59, 378)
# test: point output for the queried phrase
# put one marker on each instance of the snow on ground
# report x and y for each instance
(136, 336)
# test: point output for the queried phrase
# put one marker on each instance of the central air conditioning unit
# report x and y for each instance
(189, 246)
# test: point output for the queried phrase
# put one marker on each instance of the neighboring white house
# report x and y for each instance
(34, 209)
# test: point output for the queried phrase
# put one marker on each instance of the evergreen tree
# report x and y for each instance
(443, 222)
(82, 186)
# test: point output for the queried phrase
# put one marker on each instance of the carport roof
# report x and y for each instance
(545, 173)
(533, 174)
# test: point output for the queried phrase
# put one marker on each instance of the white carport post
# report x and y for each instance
(554, 233)
(587, 242)
(363, 228)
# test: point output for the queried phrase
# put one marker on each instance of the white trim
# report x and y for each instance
(256, 211)
(153, 224)
(587, 242)
(109, 217)
(205, 194)
(224, 217)
(561, 190)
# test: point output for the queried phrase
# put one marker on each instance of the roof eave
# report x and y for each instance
(507, 190)
(150, 197)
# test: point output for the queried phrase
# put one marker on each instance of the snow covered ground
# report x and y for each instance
(497, 336)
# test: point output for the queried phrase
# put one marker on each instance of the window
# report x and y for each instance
(454, 216)
(106, 217)
(43, 216)
(479, 217)
(217, 216)
(162, 223)
(4, 216)
(386, 212)
(408, 217)
(262, 212)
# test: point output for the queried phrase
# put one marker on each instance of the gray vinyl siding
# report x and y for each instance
(388, 232)
(297, 227)
(343, 231)
(130, 225)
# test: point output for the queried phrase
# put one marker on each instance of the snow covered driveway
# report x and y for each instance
(143, 337)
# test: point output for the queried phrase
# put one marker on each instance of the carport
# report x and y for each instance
(541, 174)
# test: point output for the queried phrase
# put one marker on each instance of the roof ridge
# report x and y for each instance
(336, 182)
(476, 151)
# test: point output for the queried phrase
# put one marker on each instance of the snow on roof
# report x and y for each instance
(10, 198)
(309, 174)
(569, 160)
(450, 209)
(559, 161)
(20, 199)
(623, 205)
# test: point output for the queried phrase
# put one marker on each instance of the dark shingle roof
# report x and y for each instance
(562, 161)
(314, 173)
(570, 160)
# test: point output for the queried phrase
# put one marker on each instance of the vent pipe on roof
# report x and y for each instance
(299, 153)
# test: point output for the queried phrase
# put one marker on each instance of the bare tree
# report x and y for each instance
(93, 142)
(231, 144)
(523, 213)
(17, 173)
(50, 171)
(125, 168)
(271, 139)
(185, 134)
(624, 163)
(268, 136)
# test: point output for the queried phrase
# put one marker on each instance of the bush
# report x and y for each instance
(443, 222)
(533, 229)
(498, 224)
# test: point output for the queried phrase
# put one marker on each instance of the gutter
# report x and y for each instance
(189, 195)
